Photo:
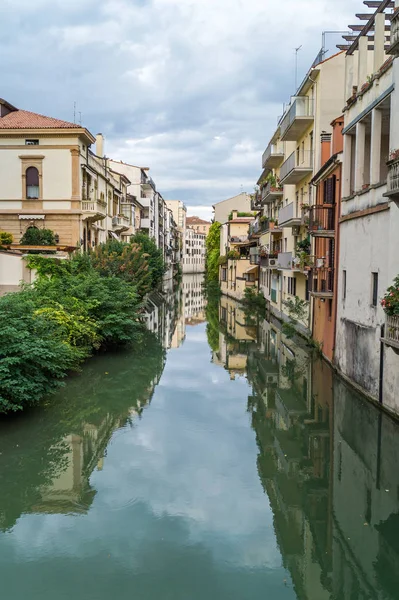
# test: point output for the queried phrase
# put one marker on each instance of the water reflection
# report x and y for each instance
(327, 462)
(255, 472)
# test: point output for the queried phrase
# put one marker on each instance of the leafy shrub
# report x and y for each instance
(38, 237)
(6, 238)
(254, 300)
(213, 252)
(390, 302)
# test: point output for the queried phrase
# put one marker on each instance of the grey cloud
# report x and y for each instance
(215, 68)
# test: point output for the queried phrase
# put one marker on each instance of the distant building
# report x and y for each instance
(194, 253)
(199, 225)
(240, 203)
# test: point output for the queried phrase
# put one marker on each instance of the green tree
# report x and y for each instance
(213, 252)
(129, 262)
(156, 262)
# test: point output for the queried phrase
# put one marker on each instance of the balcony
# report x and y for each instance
(269, 261)
(273, 156)
(145, 223)
(284, 260)
(297, 120)
(94, 210)
(394, 42)
(297, 166)
(321, 282)
(256, 201)
(271, 193)
(287, 216)
(322, 221)
(120, 223)
(393, 178)
(391, 331)
(145, 202)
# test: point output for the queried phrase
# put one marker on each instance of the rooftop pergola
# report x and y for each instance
(367, 27)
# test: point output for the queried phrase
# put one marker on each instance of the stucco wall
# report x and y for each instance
(241, 203)
(364, 248)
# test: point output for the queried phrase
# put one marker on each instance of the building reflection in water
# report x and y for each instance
(327, 462)
(47, 455)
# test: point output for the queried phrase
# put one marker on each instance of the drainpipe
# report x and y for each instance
(381, 383)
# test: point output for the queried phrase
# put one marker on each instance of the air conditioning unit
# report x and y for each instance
(295, 230)
(273, 262)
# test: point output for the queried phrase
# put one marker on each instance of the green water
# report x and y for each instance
(228, 466)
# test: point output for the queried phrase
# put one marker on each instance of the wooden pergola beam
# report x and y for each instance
(376, 4)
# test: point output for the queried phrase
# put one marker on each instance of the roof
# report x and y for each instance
(23, 119)
(196, 221)
(242, 220)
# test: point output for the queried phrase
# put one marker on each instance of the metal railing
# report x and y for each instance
(120, 221)
(270, 150)
(321, 218)
(393, 177)
(392, 329)
(269, 189)
(285, 260)
(296, 160)
(321, 280)
(301, 107)
(286, 213)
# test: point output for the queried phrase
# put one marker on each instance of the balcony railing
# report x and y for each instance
(393, 178)
(394, 42)
(145, 223)
(321, 281)
(94, 209)
(256, 201)
(285, 260)
(271, 192)
(286, 213)
(321, 219)
(297, 119)
(392, 330)
(120, 222)
(296, 167)
(273, 156)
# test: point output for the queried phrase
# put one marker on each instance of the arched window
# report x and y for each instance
(32, 182)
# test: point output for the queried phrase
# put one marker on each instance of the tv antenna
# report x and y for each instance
(296, 66)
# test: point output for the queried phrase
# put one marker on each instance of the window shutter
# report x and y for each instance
(329, 190)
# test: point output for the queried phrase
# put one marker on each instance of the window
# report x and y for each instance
(292, 286)
(307, 295)
(32, 183)
(224, 274)
(343, 285)
(329, 307)
(374, 289)
(31, 142)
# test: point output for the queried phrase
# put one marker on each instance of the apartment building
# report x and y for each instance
(194, 254)
(222, 209)
(179, 211)
(237, 271)
(324, 218)
(367, 339)
(143, 189)
(289, 162)
(49, 178)
(199, 225)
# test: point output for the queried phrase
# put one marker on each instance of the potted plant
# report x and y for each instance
(305, 207)
(390, 302)
(5, 239)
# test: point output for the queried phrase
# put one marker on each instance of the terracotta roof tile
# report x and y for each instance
(23, 119)
(197, 221)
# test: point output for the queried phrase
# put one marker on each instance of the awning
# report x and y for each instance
(251, 269)
(112, 234)
(32, 217)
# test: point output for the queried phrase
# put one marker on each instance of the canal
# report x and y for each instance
(222, 462)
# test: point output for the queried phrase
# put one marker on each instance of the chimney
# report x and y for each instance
(325, 147)
(234, 214)
(100, 144)
(337, 137)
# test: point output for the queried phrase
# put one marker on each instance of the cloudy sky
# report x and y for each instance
(190, 88)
